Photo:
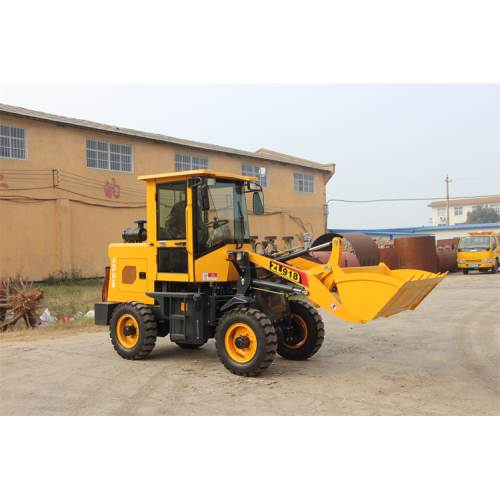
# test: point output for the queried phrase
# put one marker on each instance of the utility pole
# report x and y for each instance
(447, 201)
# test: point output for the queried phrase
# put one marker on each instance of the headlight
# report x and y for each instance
(460, 261)
(487, 261)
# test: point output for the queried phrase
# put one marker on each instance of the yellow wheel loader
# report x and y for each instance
(191, 274)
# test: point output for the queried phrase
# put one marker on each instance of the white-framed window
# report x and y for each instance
(496, 208)
(13, 142)
(190, 162)
(109, 156)
(459, 210)
(303, 183)
(441, 212)
(254, 171)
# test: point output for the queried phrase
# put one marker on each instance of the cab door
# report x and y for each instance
(495, 248)
(173, 260)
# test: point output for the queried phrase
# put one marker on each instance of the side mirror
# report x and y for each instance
(258, 202)
(205, 201)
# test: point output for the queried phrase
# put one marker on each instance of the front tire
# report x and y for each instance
(465, 271)
(246, 342)
(133, 330)
(308, 332)
(495, 267)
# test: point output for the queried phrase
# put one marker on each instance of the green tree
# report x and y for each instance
(482, 215)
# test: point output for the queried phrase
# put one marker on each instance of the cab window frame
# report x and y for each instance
(163, 236)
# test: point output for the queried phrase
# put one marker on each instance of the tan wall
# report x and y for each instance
(45, 237)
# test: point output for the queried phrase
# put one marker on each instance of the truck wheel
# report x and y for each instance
(494, 267)
(133, 330)
(465, 271)
(245, 341)
(308, 332)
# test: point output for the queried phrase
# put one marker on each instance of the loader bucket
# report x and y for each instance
(375, 291)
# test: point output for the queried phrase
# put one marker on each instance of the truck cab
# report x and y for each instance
(479, 252)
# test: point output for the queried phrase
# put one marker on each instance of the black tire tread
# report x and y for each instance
(148, 319)
(271, 341)
(320, 327)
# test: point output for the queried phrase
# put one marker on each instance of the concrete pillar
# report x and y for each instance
(63, 231)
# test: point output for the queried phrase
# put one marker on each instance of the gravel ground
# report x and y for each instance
(441, 359)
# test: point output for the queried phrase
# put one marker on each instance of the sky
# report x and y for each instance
(388, 141)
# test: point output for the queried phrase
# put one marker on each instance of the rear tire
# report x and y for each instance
(133, 330)
(245, 341)
(309, 332)
(465, 271)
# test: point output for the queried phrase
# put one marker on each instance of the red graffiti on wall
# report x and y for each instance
(3, 185)
(112, 189)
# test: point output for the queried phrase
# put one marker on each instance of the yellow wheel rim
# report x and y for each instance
(240, 354)
(303, 332)
(127, 341)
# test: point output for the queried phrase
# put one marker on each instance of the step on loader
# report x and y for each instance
(191, 275)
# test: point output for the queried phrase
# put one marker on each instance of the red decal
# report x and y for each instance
(3, 185)
(112, 189)
(209, 276)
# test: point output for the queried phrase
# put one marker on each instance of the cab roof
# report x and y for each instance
(173, 176)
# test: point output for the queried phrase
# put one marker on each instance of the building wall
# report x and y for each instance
(58, 225)
(439, 213)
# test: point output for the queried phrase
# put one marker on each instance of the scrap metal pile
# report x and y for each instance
(19, 300)
(384, 243)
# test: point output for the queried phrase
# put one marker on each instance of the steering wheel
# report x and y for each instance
(216, 223)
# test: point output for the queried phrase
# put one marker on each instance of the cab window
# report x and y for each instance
(172, 211)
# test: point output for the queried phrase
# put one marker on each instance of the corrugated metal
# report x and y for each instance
(399, 231)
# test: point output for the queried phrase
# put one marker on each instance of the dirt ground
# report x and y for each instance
(442, 359)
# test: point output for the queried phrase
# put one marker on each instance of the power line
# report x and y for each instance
(85, 196)
(412, 199)
(27, 200)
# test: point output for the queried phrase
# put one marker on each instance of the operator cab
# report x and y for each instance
(198, 213)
